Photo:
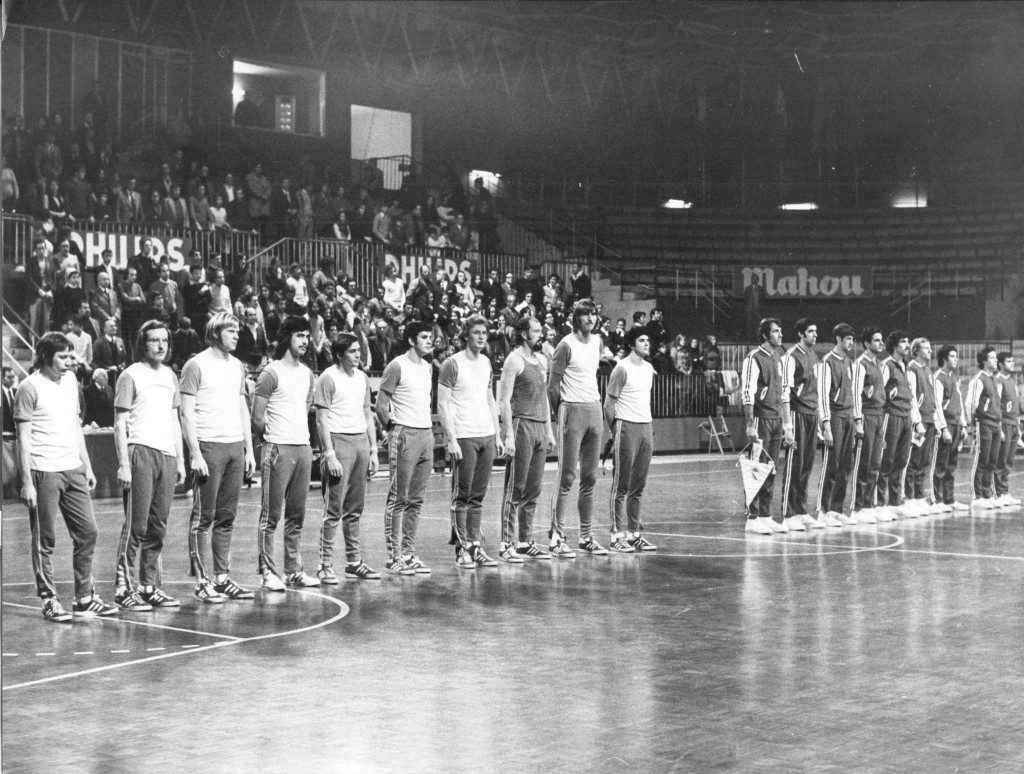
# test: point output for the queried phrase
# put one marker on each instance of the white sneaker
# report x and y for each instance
(906, 511)
(1007, 501)
(864, 516)
(921, 507)
(303, 580)
(939, 508)
(759, 526)
(983, 503)
(777, 527)
(794, 524)
(830, 520)
(960, 507)
(848, 521)
(271, 582)
(884, 514)
(809, 521)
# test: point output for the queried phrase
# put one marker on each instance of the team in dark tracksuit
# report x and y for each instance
(901, 417)
(766, 407)
(835, 410)
(801, 382)
(922, 386)
(869, 406)
(983, 408)
(1010, 407)
(950, 421)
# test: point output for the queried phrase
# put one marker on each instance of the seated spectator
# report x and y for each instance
(98, 398)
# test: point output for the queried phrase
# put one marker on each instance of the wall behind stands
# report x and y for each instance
(943, 318)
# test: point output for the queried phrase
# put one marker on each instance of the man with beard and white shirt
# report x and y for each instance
(469, 416)
(627, 409)
(572, 389)
(216, 424)
(147, 436)
(526, 416)
(280, 411)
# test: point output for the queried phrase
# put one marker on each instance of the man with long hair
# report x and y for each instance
(572, 390)
(147, 438)
(57, 476)
(348, 438)
(469, 416)
(216, 423)
(280, 414)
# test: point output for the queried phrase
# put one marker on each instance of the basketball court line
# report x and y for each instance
(343, 610)
(118, 619)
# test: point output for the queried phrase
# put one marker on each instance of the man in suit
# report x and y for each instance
(133, 304)
(145, 263)
(103, 300)
(252, 340)
(176, 212)
(109, 351)
(185, 343)
(105, 266)
(99, 400)
(11, 481)
(283, 209)
(128, 207)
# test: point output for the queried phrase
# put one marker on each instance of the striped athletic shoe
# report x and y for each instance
(620, 545)
(399, 566)
(205, 592)
(640, 543)
(463, 559)
(232, 590)
(509, 554)
(560, 550)
(93, 608)
(132, 601)
(417, 564)
(327, 576)
(481, 558)
(361, 571)
(303, 580)
(158, 598)
(54, 611)
(532, 551)
(592, 547)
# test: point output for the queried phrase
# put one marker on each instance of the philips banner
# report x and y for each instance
(811, 281)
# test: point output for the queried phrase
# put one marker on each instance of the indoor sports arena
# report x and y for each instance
(501, 386)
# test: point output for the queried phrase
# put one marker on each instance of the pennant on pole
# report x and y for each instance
(755, 470)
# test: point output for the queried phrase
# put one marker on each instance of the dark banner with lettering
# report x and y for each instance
(817, 281)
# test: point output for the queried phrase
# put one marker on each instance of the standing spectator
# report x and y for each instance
(581, 284)
(48, 160)
(176, 211)
(146, 263)
(299, 290)
(108, 351)
(54, 205)
(199, 206)
(133, 304)
(78, 193)
(220, 296)
(340, 229)
(128, 207)
(304, 213)
(217, 215)
(458, 233)
(153, 209)
(11, 478)
(9, 188)
(67, 301)
(165, 290)
(283, 209)
(259, 190)
(98, 397)
(323, 210)
(252, 340)
(184, 343)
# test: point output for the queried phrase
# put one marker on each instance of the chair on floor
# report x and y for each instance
(715, 431)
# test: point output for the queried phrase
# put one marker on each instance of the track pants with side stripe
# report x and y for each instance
(919, 470)
(411, 457)
(147, 504)
(66, 493)
(838, 464)
(634, 445)
(769, 430)
(946, 457)
(470, 477)
(799, 463)
(214, 504)
(523, 474)
(344, 496)
(1004, 462)
(284, 479)
(870, 461)
(580, 426)
(895, 457)
(986, 457)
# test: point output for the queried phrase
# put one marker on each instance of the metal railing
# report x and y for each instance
(8, 357)
(32, 335)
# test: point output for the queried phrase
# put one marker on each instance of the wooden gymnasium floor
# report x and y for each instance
(869, 649)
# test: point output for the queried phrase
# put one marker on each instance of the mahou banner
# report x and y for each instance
(818, 281)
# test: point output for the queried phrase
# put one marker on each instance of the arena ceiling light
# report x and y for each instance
(677, 204)
(797, 206)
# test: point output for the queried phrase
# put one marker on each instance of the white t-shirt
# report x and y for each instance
(345, 398)
(470, 384)
(52, 408)
(631, 384)
(150, 396)
(580, 361)
(289, 393)
(218, 385)
(299, 286)
(394, 293)
(408, 384)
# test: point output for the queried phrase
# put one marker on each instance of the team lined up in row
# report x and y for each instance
(209, 409)
(887, 421)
